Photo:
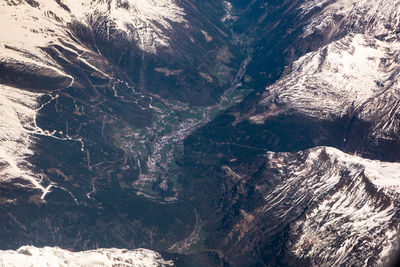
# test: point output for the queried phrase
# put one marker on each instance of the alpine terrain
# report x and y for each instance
(199, 133)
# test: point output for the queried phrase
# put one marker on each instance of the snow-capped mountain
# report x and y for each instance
(338, 209)
(352, 206)
(36, 24)
(356, 74)
(349, 78)
(351, 220)
(335, 19)
(54, 256)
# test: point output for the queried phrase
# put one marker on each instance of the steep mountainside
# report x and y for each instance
(334, 208)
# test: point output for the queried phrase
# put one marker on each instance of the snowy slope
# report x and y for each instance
(355, 74)
(355, 222)
(47, 256)
(30, 24)
(146, 22)
(17, 111)
(349, 76)
(341, 209)
(29, 27)
(337, 18)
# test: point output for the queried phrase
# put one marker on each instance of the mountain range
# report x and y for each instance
(217, 133)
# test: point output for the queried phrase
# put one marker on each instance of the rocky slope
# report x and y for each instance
(337, 209)
(356, 77)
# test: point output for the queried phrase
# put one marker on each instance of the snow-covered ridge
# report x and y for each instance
(146, 22)
(351, 202)
(28, 26)
(341, 78)
(26, 29)
(57, 257)
(339, 17)
(356, 73)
